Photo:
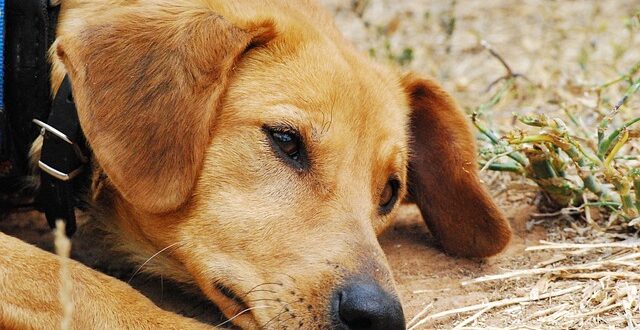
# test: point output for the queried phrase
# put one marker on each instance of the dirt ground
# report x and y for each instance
(426, 275)
(555, 44)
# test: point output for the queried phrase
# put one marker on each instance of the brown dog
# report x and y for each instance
(265, 151)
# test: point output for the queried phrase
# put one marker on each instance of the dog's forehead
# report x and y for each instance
(325, 87)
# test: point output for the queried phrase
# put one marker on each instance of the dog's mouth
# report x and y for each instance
(233, 307)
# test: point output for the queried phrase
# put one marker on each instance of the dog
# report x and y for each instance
(263, 152)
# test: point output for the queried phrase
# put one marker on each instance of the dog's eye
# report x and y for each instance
(389, 196)
(288, 145)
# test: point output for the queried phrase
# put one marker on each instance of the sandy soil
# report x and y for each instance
(425, 274)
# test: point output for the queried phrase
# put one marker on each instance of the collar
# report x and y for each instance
(28, 110)
(63, 163)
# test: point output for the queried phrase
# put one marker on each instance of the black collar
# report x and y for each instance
(30, 32)
(62, 160)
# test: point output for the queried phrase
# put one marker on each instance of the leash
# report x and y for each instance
(30, 27)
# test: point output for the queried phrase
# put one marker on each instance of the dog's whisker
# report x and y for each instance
(259, 285)
(285, 309)
(277, 326)
(254, 300)
(242, 312)
(260, 290)
(287, 275)
(264, 299)
(277, 316)
(149, 259)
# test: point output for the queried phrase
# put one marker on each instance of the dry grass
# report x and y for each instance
(546, 78)
(63, 250)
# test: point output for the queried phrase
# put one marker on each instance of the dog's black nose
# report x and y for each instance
(365, 305)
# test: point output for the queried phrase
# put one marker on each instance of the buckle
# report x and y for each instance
(46, 128)
(58, 174)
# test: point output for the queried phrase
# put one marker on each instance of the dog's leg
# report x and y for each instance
(29, 285)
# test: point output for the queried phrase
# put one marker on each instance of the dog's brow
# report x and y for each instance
(288, 111)
(291, 115)
(394, 154)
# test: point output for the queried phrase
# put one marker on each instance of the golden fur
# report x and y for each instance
(172, 96)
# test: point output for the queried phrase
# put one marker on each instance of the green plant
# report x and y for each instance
(568, 168)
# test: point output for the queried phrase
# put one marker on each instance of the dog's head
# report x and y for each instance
(265, 154)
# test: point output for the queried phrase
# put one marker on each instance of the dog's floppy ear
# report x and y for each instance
(443, 178)
(147, 83)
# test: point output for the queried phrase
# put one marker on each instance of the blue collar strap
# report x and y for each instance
(1, 55)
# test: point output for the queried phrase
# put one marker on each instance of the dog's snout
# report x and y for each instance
(365, 305)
